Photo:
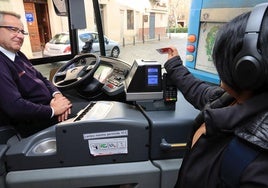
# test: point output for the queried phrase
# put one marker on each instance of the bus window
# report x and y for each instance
(206, 16)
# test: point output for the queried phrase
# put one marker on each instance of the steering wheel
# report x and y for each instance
(76, 71)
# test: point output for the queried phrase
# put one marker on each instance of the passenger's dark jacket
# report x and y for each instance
(247, 121)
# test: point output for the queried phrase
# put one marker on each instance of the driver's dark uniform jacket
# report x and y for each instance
(248, 122)
(25, 95)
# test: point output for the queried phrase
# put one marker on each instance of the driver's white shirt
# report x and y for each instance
(9, 54)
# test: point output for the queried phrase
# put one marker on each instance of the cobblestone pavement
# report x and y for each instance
(140, 50)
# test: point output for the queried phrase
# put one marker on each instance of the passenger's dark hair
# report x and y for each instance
(228, 43)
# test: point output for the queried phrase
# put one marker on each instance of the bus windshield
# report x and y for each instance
(128, 30)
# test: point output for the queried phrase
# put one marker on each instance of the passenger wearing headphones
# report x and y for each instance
(229, 143)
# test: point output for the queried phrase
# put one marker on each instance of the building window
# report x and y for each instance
(130, 19)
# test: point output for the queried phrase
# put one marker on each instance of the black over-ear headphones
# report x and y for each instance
(249, 70)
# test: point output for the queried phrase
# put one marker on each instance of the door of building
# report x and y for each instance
(32, 24)
(38, 23)
(152, 26)
(43, 23)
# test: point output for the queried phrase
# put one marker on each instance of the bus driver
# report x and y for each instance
(28, 101)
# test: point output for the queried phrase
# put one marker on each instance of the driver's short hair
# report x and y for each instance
(3, 13)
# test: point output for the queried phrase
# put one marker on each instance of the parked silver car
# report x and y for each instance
(60, 44)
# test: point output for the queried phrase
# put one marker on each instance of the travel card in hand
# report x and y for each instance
(163, 50)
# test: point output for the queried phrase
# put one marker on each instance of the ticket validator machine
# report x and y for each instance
(149, 88)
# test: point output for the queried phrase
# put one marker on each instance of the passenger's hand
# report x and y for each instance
(172, 52)
(62, 107)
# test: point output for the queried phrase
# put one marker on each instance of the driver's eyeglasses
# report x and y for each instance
(14, 29)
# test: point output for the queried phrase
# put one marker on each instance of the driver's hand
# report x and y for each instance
(64, 116)
(58, 95)
(62, 107)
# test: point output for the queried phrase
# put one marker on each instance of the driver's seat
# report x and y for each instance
(6, 132)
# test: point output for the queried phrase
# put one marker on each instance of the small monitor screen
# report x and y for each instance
(152, 76)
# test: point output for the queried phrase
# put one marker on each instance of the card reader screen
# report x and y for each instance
(152, 76)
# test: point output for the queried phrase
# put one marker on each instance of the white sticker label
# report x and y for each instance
(102, 147)
(105, 134)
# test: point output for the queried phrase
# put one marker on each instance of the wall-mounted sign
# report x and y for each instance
(29, 17)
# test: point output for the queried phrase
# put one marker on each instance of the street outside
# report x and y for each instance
(145, 51)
